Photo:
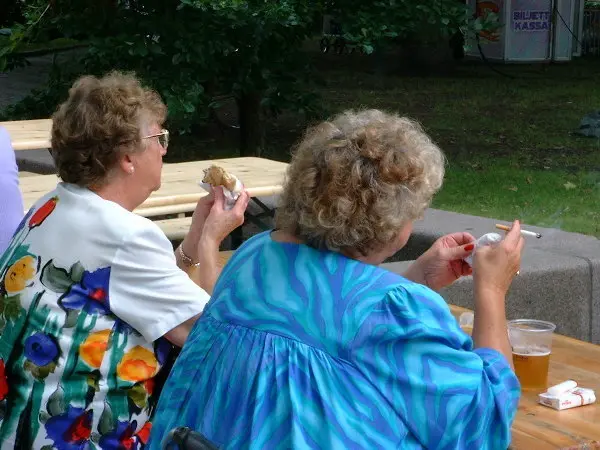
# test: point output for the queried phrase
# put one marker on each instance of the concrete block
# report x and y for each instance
(551, 286)
(595, 309)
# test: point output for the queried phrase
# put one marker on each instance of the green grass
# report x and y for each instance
(509, 143)
(550, 198)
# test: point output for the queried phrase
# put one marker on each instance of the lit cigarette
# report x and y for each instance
(523, 232)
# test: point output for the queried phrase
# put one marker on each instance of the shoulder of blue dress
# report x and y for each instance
(252, 244)
(244, 253)
(392, 279)
(426, 304)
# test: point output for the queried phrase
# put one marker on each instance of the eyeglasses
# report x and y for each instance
(163, 138)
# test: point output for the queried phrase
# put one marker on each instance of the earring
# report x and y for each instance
(131, 169)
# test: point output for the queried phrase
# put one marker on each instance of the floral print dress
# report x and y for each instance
(87, 290)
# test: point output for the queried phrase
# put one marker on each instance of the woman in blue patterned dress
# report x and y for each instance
(307, 343)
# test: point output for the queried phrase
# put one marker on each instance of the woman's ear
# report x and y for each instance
(126, 163)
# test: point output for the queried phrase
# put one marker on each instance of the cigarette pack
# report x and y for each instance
(570, 399)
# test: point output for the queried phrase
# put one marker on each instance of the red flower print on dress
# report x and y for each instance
(70, 430)
(3, 381)
(43, 212)
(144, 433)
(122, 437)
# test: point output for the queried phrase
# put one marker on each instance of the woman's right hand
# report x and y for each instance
(494, 267)
(221, 222)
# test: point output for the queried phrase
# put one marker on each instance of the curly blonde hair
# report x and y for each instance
(356, 180)
(101, 118)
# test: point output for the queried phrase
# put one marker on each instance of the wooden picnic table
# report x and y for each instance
(180, 191)
(539, 427)
(29, 134)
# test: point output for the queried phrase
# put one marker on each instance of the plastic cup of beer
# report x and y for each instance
(531, 342)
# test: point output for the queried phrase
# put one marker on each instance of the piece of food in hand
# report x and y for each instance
(217, 176)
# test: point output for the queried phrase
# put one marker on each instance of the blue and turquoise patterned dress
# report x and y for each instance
(305, 349)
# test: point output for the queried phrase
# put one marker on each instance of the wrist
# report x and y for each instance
(489, 295)
(189, 245)
(206, 244)
(414, 273)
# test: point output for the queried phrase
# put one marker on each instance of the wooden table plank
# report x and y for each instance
(23, 174)
(29, 134)
(540, 427)
(224, 257)
(175, 229)
(180, 191)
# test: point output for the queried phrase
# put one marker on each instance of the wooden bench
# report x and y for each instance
(180, 192)
(175, 229)
(29, 134)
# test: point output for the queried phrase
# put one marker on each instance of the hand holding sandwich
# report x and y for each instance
(220, 222)
(217, 226)
(213, 220)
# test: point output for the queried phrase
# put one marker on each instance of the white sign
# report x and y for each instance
(529, 20)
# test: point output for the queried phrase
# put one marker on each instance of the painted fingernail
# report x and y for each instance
(469, 247)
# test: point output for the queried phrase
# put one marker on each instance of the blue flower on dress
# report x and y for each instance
(23, 222)
(70, 430)
(90, 294)
(41, 349)
(121, 437)
(162, 349)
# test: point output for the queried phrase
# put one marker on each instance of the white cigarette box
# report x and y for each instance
(571, 399)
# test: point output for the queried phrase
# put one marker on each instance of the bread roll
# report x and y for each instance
(217, 176)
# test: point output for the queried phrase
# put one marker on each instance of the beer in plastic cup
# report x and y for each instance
(531, 342)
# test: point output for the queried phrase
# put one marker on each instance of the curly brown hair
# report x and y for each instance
(356, 180)
(101, 119)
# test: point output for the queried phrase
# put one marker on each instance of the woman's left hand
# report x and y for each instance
(443, 263)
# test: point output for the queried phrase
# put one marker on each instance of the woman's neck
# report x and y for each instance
(117, 192)
(285, 237)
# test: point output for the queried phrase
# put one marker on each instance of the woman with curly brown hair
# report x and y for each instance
(89, 290)
(307, 343)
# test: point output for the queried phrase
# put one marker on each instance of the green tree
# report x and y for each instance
(380, 23)
(192, 51)
(11, 12)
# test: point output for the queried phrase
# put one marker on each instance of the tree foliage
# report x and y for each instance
(194, 50)
(11, 12)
